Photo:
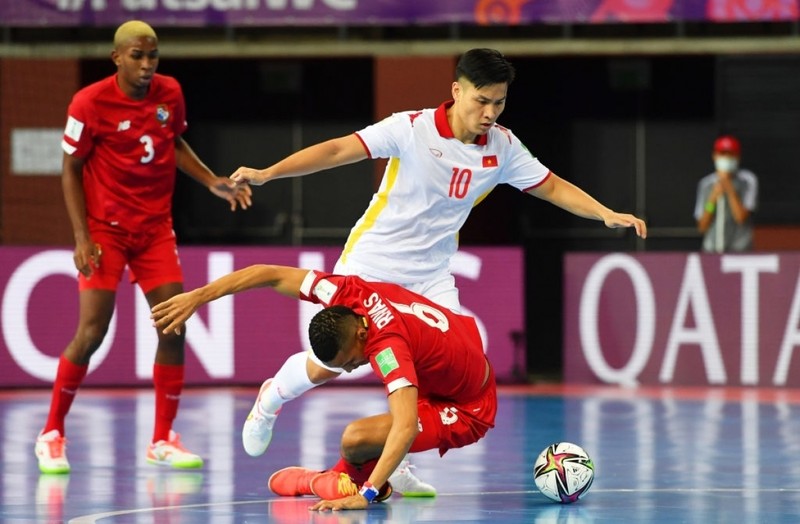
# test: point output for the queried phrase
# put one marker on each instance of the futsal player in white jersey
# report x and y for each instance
(441, 163)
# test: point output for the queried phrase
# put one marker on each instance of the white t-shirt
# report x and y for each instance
(431, 183)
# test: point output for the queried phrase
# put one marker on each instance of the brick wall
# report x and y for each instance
(33, 94)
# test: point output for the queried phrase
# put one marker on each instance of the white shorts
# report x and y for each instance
(440, 289)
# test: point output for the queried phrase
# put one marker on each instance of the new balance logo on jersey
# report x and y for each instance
(124, 125)
(378, 312)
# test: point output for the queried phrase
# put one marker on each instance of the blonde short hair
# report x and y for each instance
(132, 29)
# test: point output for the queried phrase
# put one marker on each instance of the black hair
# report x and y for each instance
(327, 331)
(485, 67)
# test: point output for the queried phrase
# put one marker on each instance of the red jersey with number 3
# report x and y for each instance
(411, 340)
(129, 150)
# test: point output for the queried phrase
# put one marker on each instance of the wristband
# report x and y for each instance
(711, 207)
(369, 492)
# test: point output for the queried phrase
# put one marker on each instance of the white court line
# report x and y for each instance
(93, 518)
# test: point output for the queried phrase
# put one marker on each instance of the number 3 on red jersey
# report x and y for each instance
(149, 150)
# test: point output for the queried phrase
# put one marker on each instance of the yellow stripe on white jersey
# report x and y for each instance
(377, 205)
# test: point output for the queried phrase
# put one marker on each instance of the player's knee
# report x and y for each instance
(88, 339)
(350, 437)
(80, 351)
(171, 342)
(354, 440)
(172, 337)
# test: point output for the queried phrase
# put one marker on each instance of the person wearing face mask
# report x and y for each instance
(726, 200)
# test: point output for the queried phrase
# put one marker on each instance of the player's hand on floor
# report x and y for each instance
(353, 502)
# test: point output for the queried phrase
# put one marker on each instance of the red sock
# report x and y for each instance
(168, 382)
(359, 474)
(68, 378)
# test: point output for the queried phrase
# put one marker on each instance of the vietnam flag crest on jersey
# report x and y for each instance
(490, 161)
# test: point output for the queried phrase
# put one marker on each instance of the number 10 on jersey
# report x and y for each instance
(459, 182)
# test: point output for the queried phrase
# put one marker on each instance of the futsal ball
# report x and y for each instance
(563, 472)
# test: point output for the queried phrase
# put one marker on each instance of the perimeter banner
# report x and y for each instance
(682, 319)
(243, 13)
(242, 339)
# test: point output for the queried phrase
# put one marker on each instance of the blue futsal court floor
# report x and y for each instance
(662, 456)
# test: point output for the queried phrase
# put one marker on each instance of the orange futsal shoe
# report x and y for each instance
(292, 481)
(332, 485)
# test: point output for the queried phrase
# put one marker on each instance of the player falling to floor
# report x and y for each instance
(442, 162)
(122, 144)
(440, 385)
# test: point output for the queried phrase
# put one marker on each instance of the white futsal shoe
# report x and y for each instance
(51, 451)
(172, 453)
(257, 430)
(403, 481)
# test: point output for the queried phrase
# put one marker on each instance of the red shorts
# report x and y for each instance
(448, 424)
(152, 257)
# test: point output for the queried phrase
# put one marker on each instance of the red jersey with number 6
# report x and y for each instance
(129, 150)
(411, 341)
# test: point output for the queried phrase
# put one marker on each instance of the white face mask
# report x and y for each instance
(726, 164)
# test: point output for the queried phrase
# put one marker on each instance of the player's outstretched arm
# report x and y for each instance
(395, 441)
(188, 162)
(170, 315)
(404, 429)
(570, 197)
(325, 155)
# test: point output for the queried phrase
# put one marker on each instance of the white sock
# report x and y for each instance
(289, 382)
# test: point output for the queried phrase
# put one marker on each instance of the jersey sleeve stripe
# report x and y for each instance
(369, 154)
(396, 384)
(68, 148)
(375, 208)
(308, 281)
(534, 186)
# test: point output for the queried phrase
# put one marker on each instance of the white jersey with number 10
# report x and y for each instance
(409, 232)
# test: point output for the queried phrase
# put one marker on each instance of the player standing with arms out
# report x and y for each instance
(440, 385)
(122, 144)
(442, 162)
